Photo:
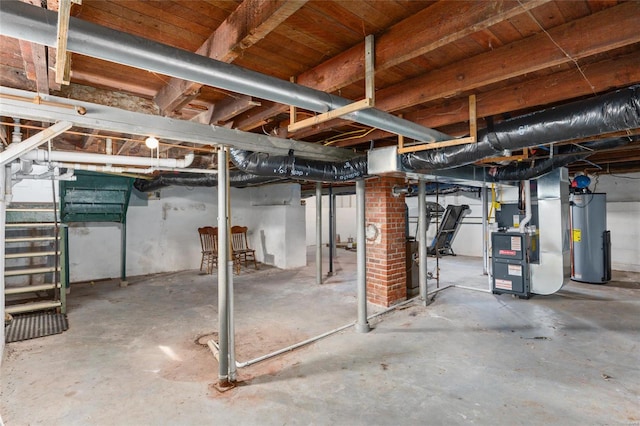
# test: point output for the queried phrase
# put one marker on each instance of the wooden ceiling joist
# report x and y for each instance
(248, 24)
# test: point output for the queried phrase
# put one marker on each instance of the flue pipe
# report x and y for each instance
(38, 25)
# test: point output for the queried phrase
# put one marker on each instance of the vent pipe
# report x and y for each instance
(237, 180)
(263, 164)
(569, 154)
(38, 25)
(611, 112)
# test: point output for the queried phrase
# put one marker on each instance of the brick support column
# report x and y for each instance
(385, 221)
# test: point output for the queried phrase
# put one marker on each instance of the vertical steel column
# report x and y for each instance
(319, 233)
(362, 325)
(223, 279)
(123, 252)
(331, 230)
(335, 229)
(422, 241)
(485, 229)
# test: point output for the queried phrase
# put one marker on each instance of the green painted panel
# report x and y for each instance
(95, 197)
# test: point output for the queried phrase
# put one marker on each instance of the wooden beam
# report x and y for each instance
(435, 26)
(330, 115)
(604, 75)
(258, 116)
(247, 25)
(63, 58)
(230, 107)
(369, 69)
(612, 28)
(91, 138)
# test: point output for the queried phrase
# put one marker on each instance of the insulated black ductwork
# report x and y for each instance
(263, 164)
(237, 180)
(568, 154)
(612, 112)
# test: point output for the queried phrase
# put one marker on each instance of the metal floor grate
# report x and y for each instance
(32, 326)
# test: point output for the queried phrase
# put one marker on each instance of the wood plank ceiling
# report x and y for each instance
(515, 56)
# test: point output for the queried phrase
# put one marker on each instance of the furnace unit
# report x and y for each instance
(590, 241)
(512, 254)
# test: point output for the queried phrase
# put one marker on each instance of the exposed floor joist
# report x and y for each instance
(250, 22)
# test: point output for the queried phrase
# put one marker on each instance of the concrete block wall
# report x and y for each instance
(386, 267)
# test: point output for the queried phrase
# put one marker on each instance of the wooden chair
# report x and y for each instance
(209, 244)
(240, 246)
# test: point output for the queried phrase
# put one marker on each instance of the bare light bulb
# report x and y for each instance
(151, 142)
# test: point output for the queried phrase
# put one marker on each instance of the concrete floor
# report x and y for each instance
(131, 355)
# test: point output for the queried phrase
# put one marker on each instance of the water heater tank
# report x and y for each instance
(591, 242)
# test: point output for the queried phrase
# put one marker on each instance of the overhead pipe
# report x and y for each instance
(567, 155)
(236, 178)
(264, 164)
(38, 25)
(611, 112)
(20, 150)
(42, 155)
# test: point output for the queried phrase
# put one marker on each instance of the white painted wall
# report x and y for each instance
(345, 218)
(162, 234)
(623, 218)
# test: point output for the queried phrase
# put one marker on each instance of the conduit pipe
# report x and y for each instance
(611, 112)
(38, 25)
(19, 150)
(42, 155)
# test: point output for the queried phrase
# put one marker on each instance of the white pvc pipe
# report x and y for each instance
(86, 157)
(19, 150)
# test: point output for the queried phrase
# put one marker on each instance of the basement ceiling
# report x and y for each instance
(430, 56)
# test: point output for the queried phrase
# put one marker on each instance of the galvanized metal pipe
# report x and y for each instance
(223, 279)
(318, 233)
(422, 240)
(38, 25)
(362, 325)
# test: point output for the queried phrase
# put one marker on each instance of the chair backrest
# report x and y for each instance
(209, 238)
(239, 238)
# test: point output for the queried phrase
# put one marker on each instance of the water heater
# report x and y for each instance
(590, 240)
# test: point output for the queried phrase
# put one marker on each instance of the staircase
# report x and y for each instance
(34, 259)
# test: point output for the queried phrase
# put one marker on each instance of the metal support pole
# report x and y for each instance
(123, 252)
(331, 231)
(422, 241)
(223, 279)
(362, 325)
(335, 229)
(319, 233)
(485, 230)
